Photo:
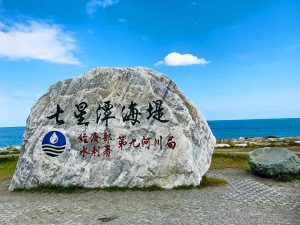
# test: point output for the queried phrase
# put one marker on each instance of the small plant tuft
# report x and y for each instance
(184, 187)
(50, 188)
(212, 182)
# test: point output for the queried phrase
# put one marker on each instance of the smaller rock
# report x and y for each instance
(274, 162)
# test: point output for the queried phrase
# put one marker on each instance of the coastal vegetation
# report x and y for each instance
(10, 150)
(223, 158)
(250, 143)
(233, 160)
(8, 162)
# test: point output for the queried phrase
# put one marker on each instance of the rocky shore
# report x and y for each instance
(10, 150)
(251, 142)
(241, 142)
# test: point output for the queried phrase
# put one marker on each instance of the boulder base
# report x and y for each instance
(120, 127)
(274, 162)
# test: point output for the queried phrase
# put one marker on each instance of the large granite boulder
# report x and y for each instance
(120, 127)
(274, 162)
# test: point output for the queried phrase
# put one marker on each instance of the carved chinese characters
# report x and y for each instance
(131, 115)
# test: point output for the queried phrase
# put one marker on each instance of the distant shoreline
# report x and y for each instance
(241, 142)
(217, 120)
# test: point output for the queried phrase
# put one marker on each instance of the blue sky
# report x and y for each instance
(234, 59)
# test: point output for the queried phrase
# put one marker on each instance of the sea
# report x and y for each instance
(226, 129)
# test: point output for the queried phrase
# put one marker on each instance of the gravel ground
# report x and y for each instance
(246, 200)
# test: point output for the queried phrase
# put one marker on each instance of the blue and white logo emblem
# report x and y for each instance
(54, 143)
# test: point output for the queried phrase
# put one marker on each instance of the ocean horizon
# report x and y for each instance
(226, 129)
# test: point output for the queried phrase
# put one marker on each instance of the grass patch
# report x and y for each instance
(49, 188)
(212, 182)
(185, 187)
(7, 168)
(8, 165)
(224, 160)
(8, 158)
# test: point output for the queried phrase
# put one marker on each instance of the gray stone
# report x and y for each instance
(272, 162)
(53, 153)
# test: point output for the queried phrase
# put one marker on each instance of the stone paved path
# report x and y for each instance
(246, 200)
(254, 190)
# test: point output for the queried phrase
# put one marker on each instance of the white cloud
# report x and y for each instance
(178, 59)
(93, 4)
(37, 40)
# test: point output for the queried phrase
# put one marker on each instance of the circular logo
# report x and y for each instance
(54, 143)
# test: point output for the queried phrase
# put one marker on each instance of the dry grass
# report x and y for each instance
(7, 169)
(224, 160)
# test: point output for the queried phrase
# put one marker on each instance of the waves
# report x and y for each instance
(52, 150)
